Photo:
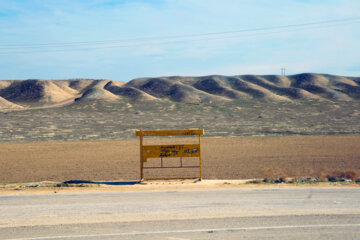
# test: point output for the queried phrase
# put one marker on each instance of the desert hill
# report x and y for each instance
(228, 106)
(206, 89)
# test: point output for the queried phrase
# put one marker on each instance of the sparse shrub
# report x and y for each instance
(339, 174)
(280, 175)
(283, 179)
(310, 173)
(255, 181)
(351, 174)
(336, 175)
(296, 175)
(321, 174)
(274, 175)
(268, 174)
(291, 180)
(277, 175)
(331, 178)
(63, 184)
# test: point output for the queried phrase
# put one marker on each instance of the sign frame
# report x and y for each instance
(169, 151)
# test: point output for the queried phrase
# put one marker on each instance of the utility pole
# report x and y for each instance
(282, 71)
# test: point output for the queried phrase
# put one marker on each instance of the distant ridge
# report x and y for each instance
(305, 86)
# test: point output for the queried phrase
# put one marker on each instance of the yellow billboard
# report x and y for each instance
(170, 151)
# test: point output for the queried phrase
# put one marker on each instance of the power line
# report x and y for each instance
(346, 20)
(134, 44)
(131, 42)
(85, 48)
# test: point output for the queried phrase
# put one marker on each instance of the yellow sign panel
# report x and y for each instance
(167, 151)
(189, 132)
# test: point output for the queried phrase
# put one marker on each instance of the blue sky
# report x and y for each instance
(124, 39)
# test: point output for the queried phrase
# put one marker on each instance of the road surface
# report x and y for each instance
(277, 213)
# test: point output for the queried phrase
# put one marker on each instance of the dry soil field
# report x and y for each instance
(223, 158)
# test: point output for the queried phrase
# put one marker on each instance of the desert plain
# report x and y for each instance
(223, 158)
(302, 125)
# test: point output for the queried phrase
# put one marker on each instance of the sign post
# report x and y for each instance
(169, 151)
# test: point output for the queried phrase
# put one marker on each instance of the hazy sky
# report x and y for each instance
(126, 39)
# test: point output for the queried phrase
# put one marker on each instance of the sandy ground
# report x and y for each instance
(223, 158)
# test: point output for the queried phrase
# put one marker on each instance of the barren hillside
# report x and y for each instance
(207, 89)
(245, 105)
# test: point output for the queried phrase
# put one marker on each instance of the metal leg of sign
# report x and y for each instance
(141, 159)
(162, 163)
(200, 158)
(181, 162)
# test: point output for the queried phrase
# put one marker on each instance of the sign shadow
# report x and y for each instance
(117, 183)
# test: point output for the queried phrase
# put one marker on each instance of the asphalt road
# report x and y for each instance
(296, 213)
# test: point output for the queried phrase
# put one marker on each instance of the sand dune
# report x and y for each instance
(172, 89)
(130, 92)
(306, 86)
(273, 88)
(256, 90)
(279, 85)
(5, 104)
(97, 91)
(80, 84)
(280, 81)
(54, 92)
(36, 91)
(216, 85)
